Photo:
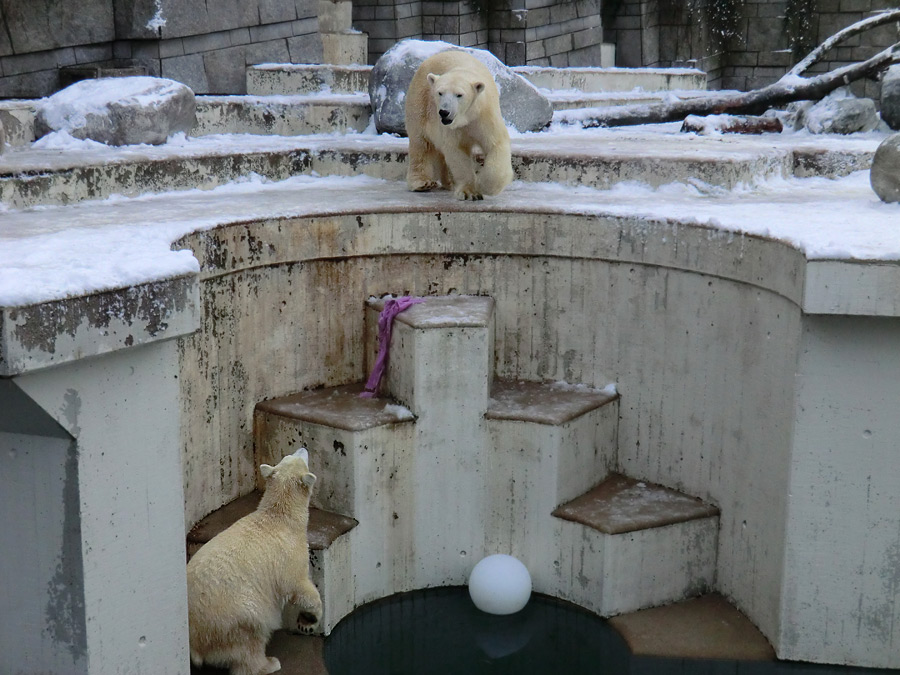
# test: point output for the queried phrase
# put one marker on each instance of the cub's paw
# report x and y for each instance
(307, 623)
(421, 185)
(273, 665)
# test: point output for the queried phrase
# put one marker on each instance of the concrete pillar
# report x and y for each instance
(91, 486)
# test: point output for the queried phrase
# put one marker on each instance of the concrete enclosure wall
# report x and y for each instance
(698, 329)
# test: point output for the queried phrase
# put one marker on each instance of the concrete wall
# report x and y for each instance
(526, 32)
(699, 330)
(843, 534)
(103, 513)
(662, 33)
(44, 585)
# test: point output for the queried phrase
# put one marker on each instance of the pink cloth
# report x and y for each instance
(392, 307)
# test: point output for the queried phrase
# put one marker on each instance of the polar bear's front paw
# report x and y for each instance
(468, 193)
(273, 665)
(422, 185)
(307, 623)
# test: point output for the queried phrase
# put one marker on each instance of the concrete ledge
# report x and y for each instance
(280, 79)
(613, 79)
(543, 402)
(852, 288)
(282, 115)
(621, 504)
(38, 336)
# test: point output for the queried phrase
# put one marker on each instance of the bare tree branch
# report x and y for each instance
(791, 87)
(887, 16)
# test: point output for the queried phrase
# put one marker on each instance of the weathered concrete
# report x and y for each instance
(283, 116)
(290, 79)
(843, 503)
(127, 602)
(614, 79)
(61, 331)
(41, 540)
(708, 627)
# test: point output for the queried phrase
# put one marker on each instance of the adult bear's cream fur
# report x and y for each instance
(453, 120)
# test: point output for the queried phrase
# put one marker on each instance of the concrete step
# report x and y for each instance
(628, 544)
(429, 336)
(327, 547)
(613, 79)
(288, 79)
(441, 362)
(32, 176)
(361, 450)
(549, 441)
(282, 115)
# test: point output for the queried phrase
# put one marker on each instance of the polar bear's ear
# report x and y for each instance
(308, 479)
(432, 78)
(479, 87)
(266, 470)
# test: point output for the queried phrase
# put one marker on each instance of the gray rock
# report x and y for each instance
(521, 104)
(119, 110)
(890, 97)
(885, 172)
(839, 113)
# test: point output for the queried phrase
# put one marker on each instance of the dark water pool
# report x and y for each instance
(440, 632)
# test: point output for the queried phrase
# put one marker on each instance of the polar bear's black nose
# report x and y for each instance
(444, 114)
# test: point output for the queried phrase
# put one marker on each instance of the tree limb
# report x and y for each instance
(791, 87)
(816, 54)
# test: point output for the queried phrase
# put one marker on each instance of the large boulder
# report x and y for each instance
(119, 110)
(521, 104)
(842, 113)
(885, 172)
(890, 97)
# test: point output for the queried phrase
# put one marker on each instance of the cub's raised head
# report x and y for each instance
(290, 476)
(454, 93)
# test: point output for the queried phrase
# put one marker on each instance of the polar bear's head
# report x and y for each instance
(289, 480)
(454, 93)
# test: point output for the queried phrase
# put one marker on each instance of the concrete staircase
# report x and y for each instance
(449, 464)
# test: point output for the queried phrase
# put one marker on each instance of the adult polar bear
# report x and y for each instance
(453, 119)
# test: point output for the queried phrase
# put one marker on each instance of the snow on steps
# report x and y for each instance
(471, 466)
(42, 176)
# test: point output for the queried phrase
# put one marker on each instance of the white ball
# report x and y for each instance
(500, 584)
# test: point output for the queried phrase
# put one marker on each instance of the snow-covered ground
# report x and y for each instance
(50, 252)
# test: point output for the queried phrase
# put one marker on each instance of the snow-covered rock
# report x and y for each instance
(522, 105)
(890, 97)
(885, 172)
(119, 110)
(841, 113)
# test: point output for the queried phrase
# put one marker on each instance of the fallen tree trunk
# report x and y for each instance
(791, 87)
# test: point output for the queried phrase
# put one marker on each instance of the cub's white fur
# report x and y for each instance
(239, 582)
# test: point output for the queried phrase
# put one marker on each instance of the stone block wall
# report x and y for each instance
(527, 32)
(674, 32)
(206, 47)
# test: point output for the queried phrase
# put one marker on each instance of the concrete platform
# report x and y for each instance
(621, 504)
(707, 627)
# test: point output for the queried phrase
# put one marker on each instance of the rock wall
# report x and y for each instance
(42, 41)
(671, 33)
(525, 32)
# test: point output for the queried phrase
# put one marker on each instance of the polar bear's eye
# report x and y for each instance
(459, 96)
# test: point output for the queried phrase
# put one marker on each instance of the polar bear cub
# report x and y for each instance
(452, 120)
(240, 582)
